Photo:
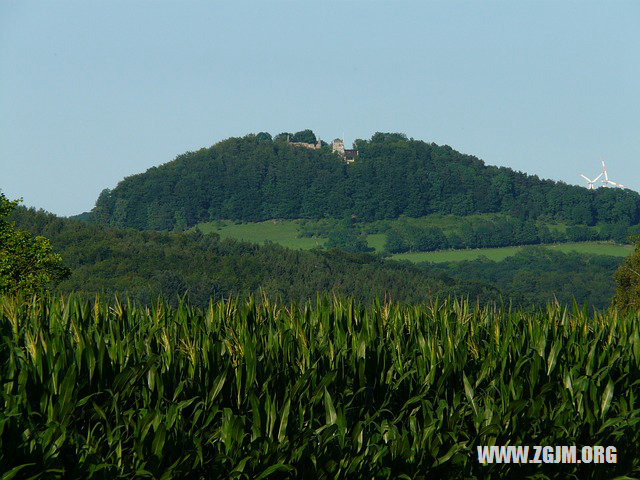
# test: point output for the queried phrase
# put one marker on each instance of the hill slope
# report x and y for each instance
(144, 265)
(255, 178)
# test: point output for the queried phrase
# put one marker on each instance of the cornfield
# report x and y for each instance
(333, 389)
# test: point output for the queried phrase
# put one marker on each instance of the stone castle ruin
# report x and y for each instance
(349, 155)
(337, 146)
(312, 146)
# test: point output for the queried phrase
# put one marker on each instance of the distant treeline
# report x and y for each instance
(145, 265)
(538, 275)
(498, 232)
(256, 178)
(424, 235)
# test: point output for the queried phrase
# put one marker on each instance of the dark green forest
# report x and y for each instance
(462, 232)
(256, 178)
(498, 232)
(535, 275)
(135, 241)
(147, 264)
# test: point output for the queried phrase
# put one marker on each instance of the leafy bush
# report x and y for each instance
(627, 279)
(27, 264)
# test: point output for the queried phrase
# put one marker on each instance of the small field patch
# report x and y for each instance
(282, 232)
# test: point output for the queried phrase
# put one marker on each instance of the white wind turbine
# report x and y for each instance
(590, 183)
(605, 180)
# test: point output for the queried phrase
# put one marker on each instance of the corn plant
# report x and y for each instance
(333, 389)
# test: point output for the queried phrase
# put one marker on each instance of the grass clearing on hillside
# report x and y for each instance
(497, 254)
(282, 232)
(285, 233)
(377, 241)
(440, 256)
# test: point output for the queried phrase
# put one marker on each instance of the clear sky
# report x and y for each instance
(91, 92)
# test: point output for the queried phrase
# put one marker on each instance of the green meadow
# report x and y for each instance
(376, 240)
(286, 233)
(282, 232)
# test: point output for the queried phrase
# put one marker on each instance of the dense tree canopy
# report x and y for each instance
(346, 237)
(255, 178)
(536, 275)
(500, 231)
(305, 136)
(27, 264)
(146, 264)
(627, 279)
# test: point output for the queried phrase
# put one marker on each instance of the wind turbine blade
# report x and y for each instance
(586, 178)
(604, 170)
(611, 182)
(596, 179)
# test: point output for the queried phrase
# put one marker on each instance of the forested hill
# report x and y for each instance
(145, 265)
(257, 178)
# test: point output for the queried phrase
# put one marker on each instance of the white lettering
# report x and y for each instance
(587, 454)
(611, 455)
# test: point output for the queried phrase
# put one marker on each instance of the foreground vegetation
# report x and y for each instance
(246, 390)
(27, 264)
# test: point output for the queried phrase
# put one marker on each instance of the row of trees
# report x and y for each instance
(535, 276)
(256, 178)
(498, 232)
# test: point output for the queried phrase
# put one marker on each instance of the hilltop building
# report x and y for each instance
(311, 146)
(349, 155)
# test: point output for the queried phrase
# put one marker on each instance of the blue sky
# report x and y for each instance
(91, 92)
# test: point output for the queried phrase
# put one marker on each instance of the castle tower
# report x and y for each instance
(337, 146)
